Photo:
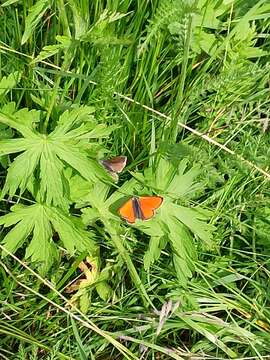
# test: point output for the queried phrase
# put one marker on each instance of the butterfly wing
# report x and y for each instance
(148, 205)
(126, 211)
(115, 164)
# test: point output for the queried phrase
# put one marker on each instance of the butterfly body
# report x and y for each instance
(142, 208)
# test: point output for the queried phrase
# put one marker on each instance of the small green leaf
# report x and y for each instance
(153, 252)
(51, 50)
(104, 290)
(9, 82)
(35, 14)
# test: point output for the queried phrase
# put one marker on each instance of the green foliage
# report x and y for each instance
(49, 154)
(75, 79)
(9, 82)
(172, 223)
(42, 169)
(40, 221)
(50, 50)
(34, 16)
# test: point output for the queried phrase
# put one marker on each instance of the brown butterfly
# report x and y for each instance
(141, 207)
(114, 165)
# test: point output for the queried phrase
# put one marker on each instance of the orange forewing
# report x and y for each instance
(126, 211)
(142, 207)
(149, 204)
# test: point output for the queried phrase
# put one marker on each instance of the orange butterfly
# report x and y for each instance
(114, 165)
(142, 207)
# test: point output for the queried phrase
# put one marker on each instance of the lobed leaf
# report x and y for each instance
(46, 157)
(20, 171)
(38, 221)
(71, 232)
(194, 220)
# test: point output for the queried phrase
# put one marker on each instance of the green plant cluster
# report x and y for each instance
(180, 87)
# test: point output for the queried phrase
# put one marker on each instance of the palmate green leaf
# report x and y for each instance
(193, 219)
(46, 157)
(172, 223)
(21, 120)
(175, 181)
(38, 222)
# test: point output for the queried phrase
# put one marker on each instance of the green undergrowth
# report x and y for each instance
(181, 88)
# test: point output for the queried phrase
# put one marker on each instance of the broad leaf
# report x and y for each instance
(176, 181)
(172, 223)
(193, 219)
(45, 157)
(38, 222)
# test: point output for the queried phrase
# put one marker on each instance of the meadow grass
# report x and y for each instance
(182, 89)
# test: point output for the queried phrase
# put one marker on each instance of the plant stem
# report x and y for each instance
(131, 268)
(180, 94)
(66, 63)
